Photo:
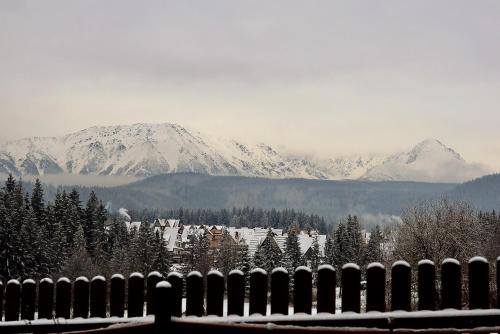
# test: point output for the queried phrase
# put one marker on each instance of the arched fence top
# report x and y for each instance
(478, 259)
(401, 263)
(236, 272)
(155, 273)
(47, 279)
(351, 266)
(326, 267)
(215, 272)
(375, 265)
(136, 275)
(13, 281)
(303, 268)
(451, 260)
(425, 262)
(163, 284)
(194, 273)
(64, 279)
(98, 278)
(175, 274)
(280, 270)
(29, 281)
(258, 270)
(119, 276)
(82, 278)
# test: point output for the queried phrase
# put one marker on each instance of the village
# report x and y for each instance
(176, 237)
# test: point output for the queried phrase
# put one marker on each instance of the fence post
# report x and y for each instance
(258, 291)
(46, 299)
(12, 300)
(215, 293)
(375, 287)
(28, 299)
(63, 298)
(327, 283)
(235, 292)
(135, 304)
(162, 308)
(194, 294)
(401, 286)
(302, 291)
(426, 285)
(1, 299)
(479, 283)
(279, 291)
(98, 290)
(351, 288)
(176, 281)
(451, 284)
(117, 296)
(153, 278)
(81, 297)
(498, 282)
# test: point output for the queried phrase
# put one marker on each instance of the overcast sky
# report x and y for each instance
(322, 77)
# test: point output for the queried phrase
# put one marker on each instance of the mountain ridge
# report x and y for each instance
(143, 150)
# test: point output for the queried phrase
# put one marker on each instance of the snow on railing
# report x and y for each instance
(268, 295)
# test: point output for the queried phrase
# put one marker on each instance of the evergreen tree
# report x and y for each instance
(162, 257)
(79, 262)
(314, 258)
(268, 255)
(228, 254)
(293, 256)
(373, 251)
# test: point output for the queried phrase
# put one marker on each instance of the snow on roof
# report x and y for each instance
(131, 225)
(305, 242)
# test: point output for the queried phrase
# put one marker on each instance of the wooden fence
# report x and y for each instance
(163, 297)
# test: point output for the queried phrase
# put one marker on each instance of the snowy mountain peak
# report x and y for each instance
(150, 149)
(431, 147)
(428, 161)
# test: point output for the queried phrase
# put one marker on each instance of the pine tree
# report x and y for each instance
(144, 249)
(162, 260)
(268, 255)
(314, 258)
(329, 251)
(79, 262)
(373, 251)
(228, 254)
(293, 255)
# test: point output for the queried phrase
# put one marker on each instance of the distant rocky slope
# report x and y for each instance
(152, 149)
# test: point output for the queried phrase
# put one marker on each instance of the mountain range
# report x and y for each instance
(143, 150)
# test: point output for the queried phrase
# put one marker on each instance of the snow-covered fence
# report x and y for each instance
(163, 297)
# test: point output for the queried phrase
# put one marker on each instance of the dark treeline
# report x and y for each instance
(239, 217)
(68, 238)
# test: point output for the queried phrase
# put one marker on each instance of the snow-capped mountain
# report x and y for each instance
(151, 149)
(429, 161)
